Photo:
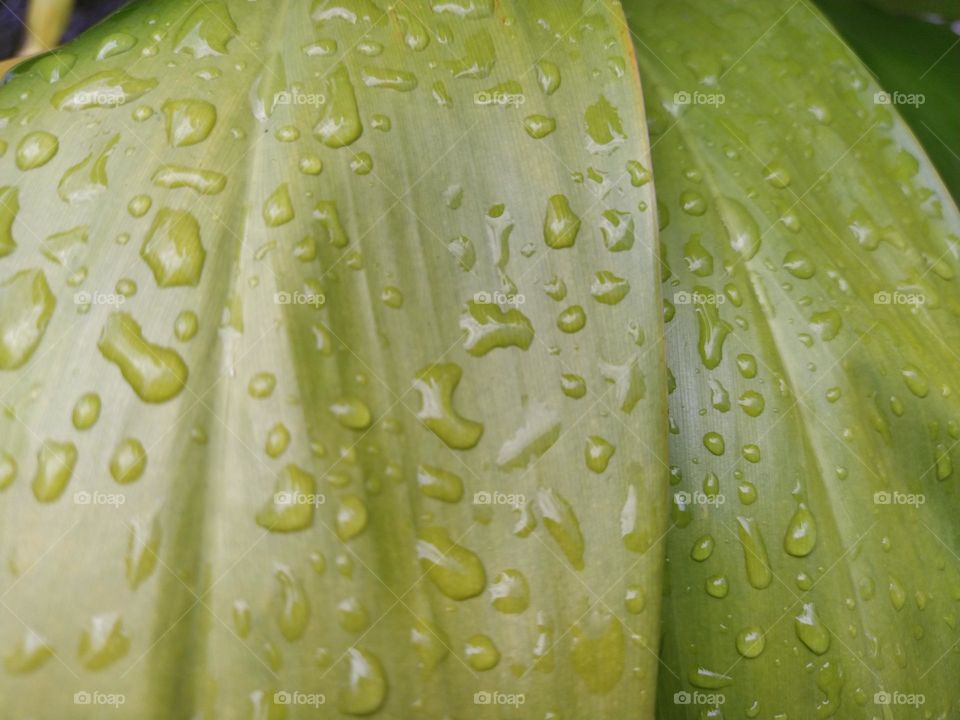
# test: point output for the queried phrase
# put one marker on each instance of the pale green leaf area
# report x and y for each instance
(331, 366)
(811, 307)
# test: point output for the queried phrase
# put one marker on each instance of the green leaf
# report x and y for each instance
(312, 385)
(917, 63)
(810, 261)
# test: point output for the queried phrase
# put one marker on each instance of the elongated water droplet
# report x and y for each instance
(156, 374)
(339, 123)
(55, 464)
(107, 89)
(488, 327)
(294, 607)
(510, 592)
(754, 552)
(439, 484)
(103, 642)
(599, 650)
(456, 571)
(26, 306)
(204, 182)
(811, 631)
(365, 688)
(561, 225)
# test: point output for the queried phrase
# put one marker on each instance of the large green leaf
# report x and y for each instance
(254, 255)
(811, 255)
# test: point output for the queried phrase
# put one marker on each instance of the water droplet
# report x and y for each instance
(692, 203)
(618, 230)
(103, 641)
(351, 517)
(604, 128)
(204, 182)
(30, 653)
(8, 469)
(915, 380)
(561, 225)
(173, 250)
(26, 306)
(366, 685)
(278, 209)
(717, 586)
(750, 641)
(436, 385)
(107, 89)
(609, 288)
(599, 651)
(742, 231)
(702, 548)
(206, 31)
(439, 484)
(352, 413)
(262, 385)
(754, 552)
(156, 374)
(481, 653)
(456, 571)
(488, 327)
(598, 453)
(713, 442)
(801, 535)
(88, 178)
(811, 631)
(548, 77)
(751, 402)
(339, 123)
(115, 44)
(9, 207)
(702, 677)
(799, 264)
(294, 607)
(36, 149)
(55, 464)
(186, 325)
(143, 546)
(86, 412)
(510, 592)
(278, 440)
(634, 599)
(292, 504)
(573, 386)
(352, 615)
(539, 126)
(561, 522)
(429, 643)
(572, 319)
(129, 461)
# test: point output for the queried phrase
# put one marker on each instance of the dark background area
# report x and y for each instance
(85, 14)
